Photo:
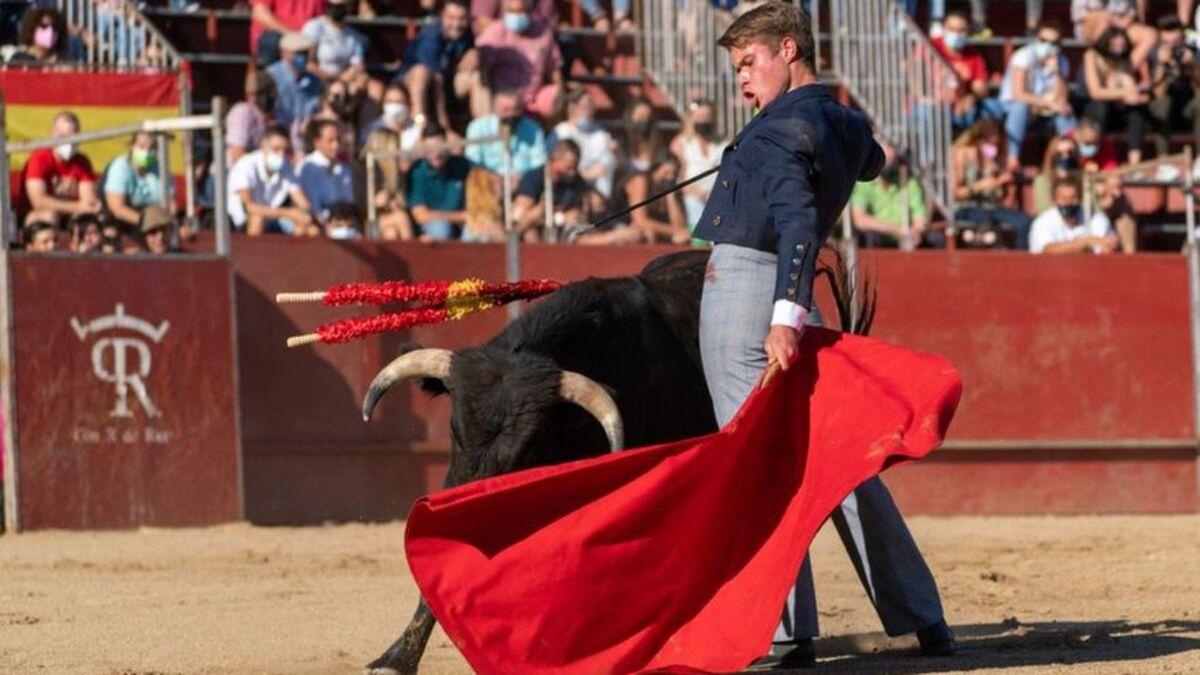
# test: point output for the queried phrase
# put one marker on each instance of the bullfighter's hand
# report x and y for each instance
(781, 345)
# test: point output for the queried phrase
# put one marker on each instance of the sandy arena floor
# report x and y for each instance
(1089, 594)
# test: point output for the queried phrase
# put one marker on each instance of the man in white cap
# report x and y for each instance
(297, 91)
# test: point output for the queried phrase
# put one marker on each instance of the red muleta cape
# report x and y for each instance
(675, 556)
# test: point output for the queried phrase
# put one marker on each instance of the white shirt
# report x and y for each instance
(250, 173)
(1039, 75)
(595, 149)
(1051, 228)
(337, 48)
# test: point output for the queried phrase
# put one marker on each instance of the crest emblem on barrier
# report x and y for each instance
(123, 360)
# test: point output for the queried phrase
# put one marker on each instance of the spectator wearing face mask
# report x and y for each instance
(343, 223)
(339, 48)
(58, 182)
(1116, 98)
(247, 120)
(1062, 229)
(396, 117)
(892, 207)
(486, 12)
(270, 20)
(441, 67)
(132, 180)
(527, 141)
(983, 185)
(698, 150)
(1174, 77)
(971, 99)
(519, 53)
(325, 179)
(42, 37)
(264, 194)
(85, 233)
(638, 125)
(1097, 152)
(1092, 18)
(297, 91)
(1060, 162)
(1035, 87)
(597, 149)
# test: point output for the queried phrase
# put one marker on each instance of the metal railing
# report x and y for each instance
(117, 34)
(679, 52)
(897, 77)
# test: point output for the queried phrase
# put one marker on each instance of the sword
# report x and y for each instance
(626, 211)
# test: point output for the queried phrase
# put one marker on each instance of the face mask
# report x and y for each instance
(989, 150)
(273, 161)
(1044, 50)
(1088, 150)
(337, 13)
(338, 105)
(639, 165)
(343, 233)
(65, 150)
(890, 174)
(1065, 162)
(954, 41)
(517, 23)
(45, 37)
(704, 128)
(396, 113)
(300, 62)
(1071, 212)
(142, 159)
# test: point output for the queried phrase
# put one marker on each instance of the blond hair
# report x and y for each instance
(769, 24)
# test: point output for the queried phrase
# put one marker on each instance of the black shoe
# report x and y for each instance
(936, 640)
(787, 656)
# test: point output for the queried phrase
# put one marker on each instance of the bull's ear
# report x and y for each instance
(430, 385)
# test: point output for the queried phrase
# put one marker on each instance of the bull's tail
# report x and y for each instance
(856, 303)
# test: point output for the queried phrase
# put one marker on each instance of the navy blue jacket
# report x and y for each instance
(785, 179)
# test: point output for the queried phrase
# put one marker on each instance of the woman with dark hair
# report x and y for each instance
(1111, 83)
(42, 37)
(662, 220)
(638, 125)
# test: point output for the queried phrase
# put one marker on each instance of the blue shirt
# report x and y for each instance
(527, 143)
(444, 190)
(295, 99)
(432, 50)
(325, 184)
(138, 190)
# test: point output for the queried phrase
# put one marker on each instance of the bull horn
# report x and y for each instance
(585, 393)
(433, 363)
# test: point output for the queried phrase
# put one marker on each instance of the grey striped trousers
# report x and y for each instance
(735, 315)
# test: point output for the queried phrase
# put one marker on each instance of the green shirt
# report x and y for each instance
(887, 202)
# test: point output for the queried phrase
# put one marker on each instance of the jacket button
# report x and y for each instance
(795, 261)
(800, 247)
(733, 147)
(725, 183)
(716, 221)
(791, 292)
(794, 277)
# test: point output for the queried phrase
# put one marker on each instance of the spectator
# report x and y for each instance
(396, 118)
(982, 184)
(270, 20)
(339, 48)
(1061, 162)
(620, 10)
(324, 180)
(698, 150)
(247, 120)
(638, 125)
(41, 237)
(437, 192)
(112, 239)
(971, 97)
(597, 159)
(1174, 77)
(391, 171)
(60, 181)
(155, 228)
(891, 209)
(85, 233)
(132, 180)
(1062, 229)
(659, 221)
(343, 223)
(441, 65)
(486, 12)
(1092, 18)
(337, 106)
(1109, 197)
(527, 142)
(485, 216)
(574, 201)
(1111, 84)
(1035, 85)
(1096, 151)
(519, 53)
(297, 91)
(264, 195)
(42, 37)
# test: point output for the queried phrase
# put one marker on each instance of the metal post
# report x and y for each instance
(220, 205)
(850, 253)
(907, 242)
(189, 161)
(372, 209)
(512, 253)
(1193, 263)
(163, 150)
(7, 226)
(549, 226)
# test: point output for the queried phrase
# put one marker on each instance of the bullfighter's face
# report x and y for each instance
(763, 71)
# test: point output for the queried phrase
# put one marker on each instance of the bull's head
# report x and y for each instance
(502, 405)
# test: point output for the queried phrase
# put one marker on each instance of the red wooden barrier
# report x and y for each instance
(119, 370)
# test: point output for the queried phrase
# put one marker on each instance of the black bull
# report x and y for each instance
(533, 394)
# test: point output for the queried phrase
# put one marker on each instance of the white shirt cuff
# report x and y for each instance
(790, 314)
